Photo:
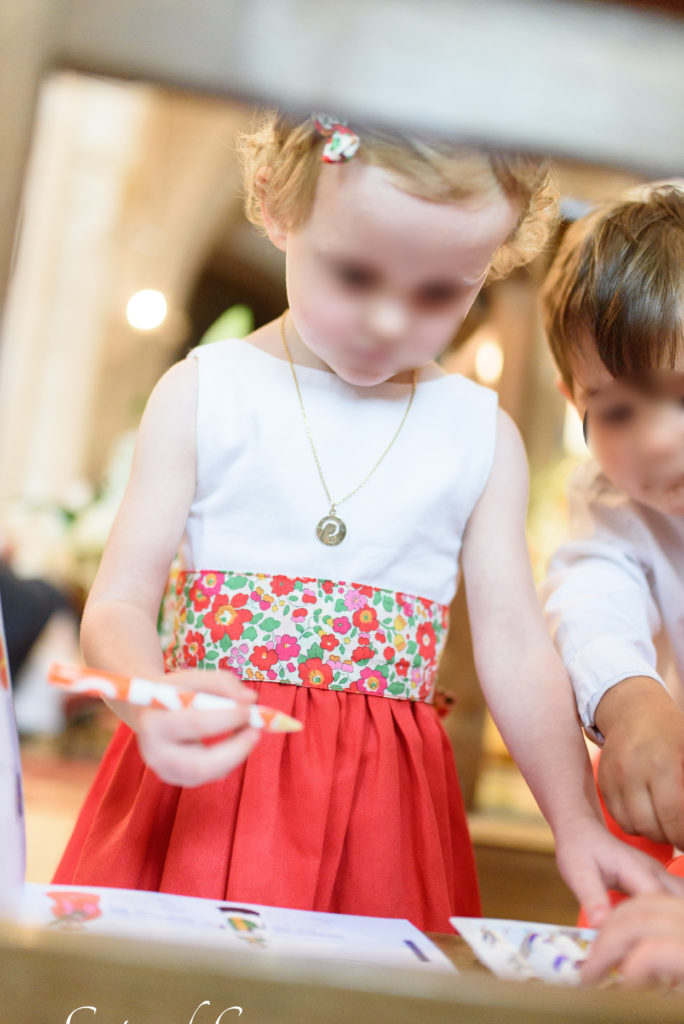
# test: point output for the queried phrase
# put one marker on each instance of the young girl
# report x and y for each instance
(323, 477)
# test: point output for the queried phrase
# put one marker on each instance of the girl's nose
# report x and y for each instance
(387, 319)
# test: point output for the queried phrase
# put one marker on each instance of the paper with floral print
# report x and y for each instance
(305, 631)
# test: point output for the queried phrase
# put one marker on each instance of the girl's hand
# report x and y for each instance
(592, 861)
(174, 743)
(643, 939)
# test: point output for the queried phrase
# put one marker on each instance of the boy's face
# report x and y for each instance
(638, 440)
(379, 280)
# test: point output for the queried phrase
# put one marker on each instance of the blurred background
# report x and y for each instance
(131, 248)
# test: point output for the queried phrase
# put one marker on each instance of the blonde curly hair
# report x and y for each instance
(290, 153)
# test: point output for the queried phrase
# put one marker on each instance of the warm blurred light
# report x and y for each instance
(489, 360)
(146, 309)
(573, 438)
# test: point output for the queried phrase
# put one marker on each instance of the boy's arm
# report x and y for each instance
(528, 691)
(602, 614)
(597, 598)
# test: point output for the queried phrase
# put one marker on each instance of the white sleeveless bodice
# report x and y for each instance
(259, 497)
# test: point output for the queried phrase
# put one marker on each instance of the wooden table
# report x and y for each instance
(45, 977)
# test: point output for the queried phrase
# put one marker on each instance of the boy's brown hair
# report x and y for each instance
(618, 278)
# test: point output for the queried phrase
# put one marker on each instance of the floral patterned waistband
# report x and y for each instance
(304, 631)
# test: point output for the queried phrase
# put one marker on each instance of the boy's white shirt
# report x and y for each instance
(614, 593)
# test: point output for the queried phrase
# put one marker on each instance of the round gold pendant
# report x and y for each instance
(331, 530)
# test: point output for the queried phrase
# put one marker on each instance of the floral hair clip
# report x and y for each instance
(342, 141)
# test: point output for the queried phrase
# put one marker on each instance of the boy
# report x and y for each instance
(613, 306)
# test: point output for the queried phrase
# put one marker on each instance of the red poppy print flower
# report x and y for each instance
(389, 653)
(342, 625)
(287, 648)
(426, 640)
(198, 597)
(299, 613)
(227, 617)
(365, 619)
(327, 586)
(211, 582)
(362, 653)
(380, 637)
(402, 667)
(363, 589)
(313, 672)
(281, 585)
(263, 657)
(329, 642)
(371, 681)
(193, 649)
(308, 597)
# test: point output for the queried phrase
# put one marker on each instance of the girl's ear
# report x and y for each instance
(275, 231)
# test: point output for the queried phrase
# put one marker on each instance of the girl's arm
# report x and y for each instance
(119, 629)
(529, 693)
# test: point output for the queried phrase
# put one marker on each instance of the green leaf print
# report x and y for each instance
(190, 617)
(377, 597)
(235, 582)
(211, 656)
(225, 643)
(315, 651)
(249, 633)
(396, 688)
(268, 625)
(340, 605)
(411, 647)
(388, 604)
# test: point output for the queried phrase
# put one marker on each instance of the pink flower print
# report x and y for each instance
(371, 681)
(264, 605)
(287, 647)
(341, 625)
(416, 677)
(290, 666)
(347, 666)
(407, 609)
(353, 600)
(211, 582)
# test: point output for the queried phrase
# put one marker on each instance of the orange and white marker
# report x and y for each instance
(146, 693)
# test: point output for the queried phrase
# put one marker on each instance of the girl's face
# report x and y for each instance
(638, 440)
(379, 280)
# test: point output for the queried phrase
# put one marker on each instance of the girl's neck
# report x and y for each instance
(268, 339)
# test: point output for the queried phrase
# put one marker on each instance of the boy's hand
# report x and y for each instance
(643, 939)
(592, 861)
(173, 743)
(641, 770)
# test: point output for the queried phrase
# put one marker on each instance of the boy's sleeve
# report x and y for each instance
(597, 597)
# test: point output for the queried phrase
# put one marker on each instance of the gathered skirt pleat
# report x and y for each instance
(360, 813)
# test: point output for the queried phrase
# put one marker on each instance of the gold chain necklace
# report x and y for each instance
(331, 529)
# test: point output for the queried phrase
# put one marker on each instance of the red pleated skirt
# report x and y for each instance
(360, 813)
